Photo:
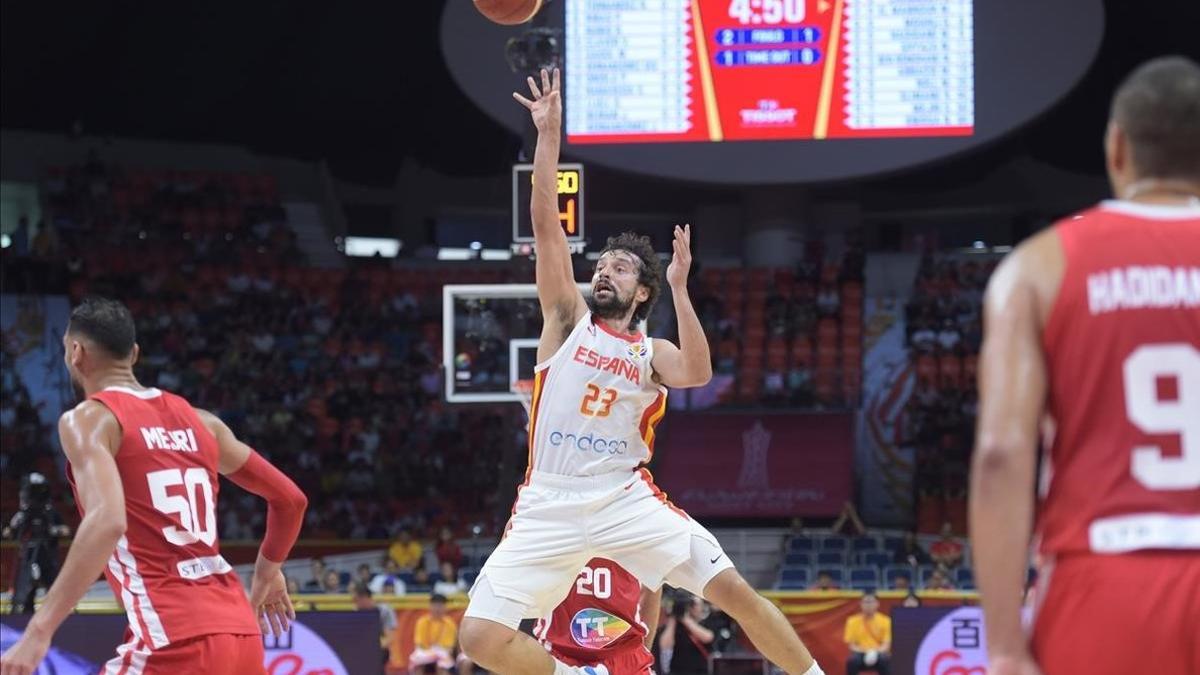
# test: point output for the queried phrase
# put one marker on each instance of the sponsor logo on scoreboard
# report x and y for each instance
(768, 114)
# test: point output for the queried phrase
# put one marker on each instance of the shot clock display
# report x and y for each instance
(721, 70)
(570, 202)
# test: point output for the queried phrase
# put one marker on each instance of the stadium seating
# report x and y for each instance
(864, 577)
(798, 560)
(799, 544)
(964, 578)
(892, 572)
(875, 559)
(794, 578)
(859, 563)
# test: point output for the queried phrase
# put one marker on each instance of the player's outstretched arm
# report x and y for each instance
(689, 364)
(1012, 392)
(561, 301)
(90, 436)
(285, 514)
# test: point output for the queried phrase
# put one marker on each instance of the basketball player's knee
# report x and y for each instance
(729, 591)
(479, 638)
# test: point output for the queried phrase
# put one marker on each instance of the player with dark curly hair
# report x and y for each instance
(600, 388)
(649, 274)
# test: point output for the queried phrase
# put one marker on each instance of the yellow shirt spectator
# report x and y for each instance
(873, 634)
(435, 632)
(406, 552)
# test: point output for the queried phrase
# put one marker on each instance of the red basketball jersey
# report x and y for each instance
(167, 571)
(600, 618)
(1122, 348)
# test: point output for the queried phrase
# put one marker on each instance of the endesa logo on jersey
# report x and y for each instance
(596, 629)
(589, 443)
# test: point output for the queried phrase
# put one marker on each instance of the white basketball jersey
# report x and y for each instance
(595, 404)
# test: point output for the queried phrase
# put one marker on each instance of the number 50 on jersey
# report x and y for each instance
(570, 203)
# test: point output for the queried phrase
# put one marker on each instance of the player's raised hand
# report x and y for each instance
(681, 260)
(546, 105)
(269, 598)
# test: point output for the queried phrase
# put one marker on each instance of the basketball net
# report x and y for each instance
(523, 389)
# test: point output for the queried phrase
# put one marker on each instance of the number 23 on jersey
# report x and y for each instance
(598, 401)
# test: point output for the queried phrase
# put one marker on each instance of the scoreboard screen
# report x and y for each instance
(640, 71)
(570, 202)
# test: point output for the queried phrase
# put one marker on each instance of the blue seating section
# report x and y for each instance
(875, 559)
(857, 563)
(964, 578)
(800, 544)
(798, 560)
(833, 544)
(831, 559)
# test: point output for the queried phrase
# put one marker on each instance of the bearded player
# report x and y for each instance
(608, 619)
(1095, 324)
(600, 387)
(143, 464)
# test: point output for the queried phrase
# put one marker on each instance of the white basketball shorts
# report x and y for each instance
(560, 522)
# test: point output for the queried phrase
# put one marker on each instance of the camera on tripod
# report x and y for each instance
(37, 526)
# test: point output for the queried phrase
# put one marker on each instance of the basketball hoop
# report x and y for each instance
(523, 390)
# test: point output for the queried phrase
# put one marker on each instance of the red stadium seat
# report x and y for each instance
(852, 293)
(827, 329)
(777, 354)
(955, 512)
(970, 366)
(927, 368)
(949, 372)
(930, 513)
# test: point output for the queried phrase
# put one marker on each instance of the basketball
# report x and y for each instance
(508, 12)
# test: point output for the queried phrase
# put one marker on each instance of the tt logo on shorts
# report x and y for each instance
(589, 443)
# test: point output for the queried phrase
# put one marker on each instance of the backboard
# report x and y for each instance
(489, 340)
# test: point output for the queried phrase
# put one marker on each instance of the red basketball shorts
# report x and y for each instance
(218, 654)
(1127, 613)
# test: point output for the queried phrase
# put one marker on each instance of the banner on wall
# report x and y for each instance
(748, 465)
(938, 641)
(945, 637)
(885, 465)
(31, 327)
(324, 643)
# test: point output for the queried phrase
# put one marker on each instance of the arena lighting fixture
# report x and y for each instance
(369, 247)
(5, 241)
(455, 254)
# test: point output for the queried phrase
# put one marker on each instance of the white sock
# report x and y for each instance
(815, 670)
(561, 668)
